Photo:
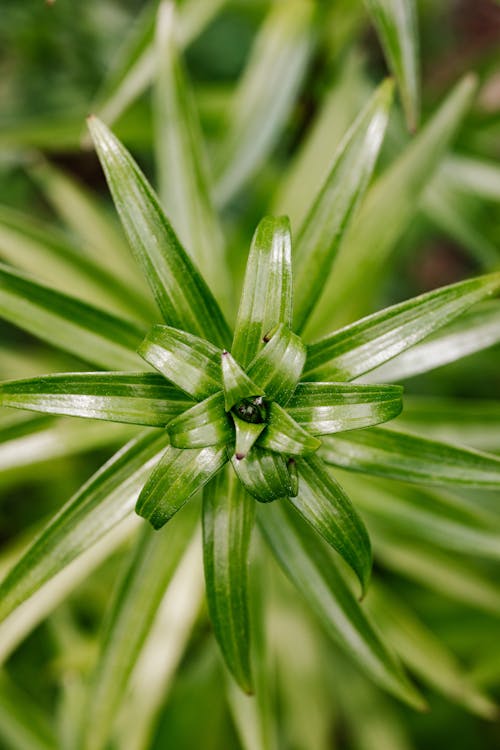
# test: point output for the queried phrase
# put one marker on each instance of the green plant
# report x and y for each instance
(275, 399)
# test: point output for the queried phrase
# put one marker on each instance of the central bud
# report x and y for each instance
(252, 410)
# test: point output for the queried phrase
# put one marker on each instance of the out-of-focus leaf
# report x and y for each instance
(396, 24)
(386, 212)
(425, 654)
(265, 94)
(181, 293)
(264, 475)
(476, 330)
(143, 398)
(278, 366)
(284, 435)
(316, 576)
(183, 179)
(204, 424)
(362, 346)
(473, 175)
(179, 474)
(22, 724)
(190, 362)
(411, 458)
(148, 572)
(228, 517)
(322, 231)
(78, 328)
(324, 408)
(266, 299)
(105, 500)
(322, 502)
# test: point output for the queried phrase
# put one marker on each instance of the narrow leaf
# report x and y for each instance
(177, 477)
(87, 332)
(266, 299)
(204, 424)
(324, 408)
(264, 475)
(396, 25)
(191, 363)
(181, 293)
(228, 517)
(325, 224)
(237, 384)
(107, 498)
(368, 343)
(316, 576)
(135, 398)
(284, 435)
(22, 723)
(246, 435)
(411, 458)
(278, 367)
(322, 502)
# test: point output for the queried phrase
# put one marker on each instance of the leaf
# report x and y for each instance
(265, 95)
(324, 408)
(284, 435)
(389, 206)
(264, 475)
(278, 367)
(237, 384)
(228, 518)
(191, 363)
(316, 576)
(324, 226)
(22, 723)
(87, 332)
(107, 498)
(246, 436)
(474, 176)
(182, 295)
(477, 330)
(362, 346)
(135, 398)
(204, 424)
(322, 502)
(425, 654)
(148, 572)
(184, 185)
(266, 299)
(396, 25)
(411, 458)
(179, 474)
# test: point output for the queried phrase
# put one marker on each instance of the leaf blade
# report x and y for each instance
(204, 424)
(278, 367)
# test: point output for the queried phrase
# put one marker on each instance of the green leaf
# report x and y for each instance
(265, 95)
(266, 299)
(177, 477)
(181, 293)
(324, 408)
(389, 206)
(396, 25)
(411, 458)
(22, 723)
(148, 572)
(135, 398)
(107, 498)
(246, 435)
(87, 332)
(190, 362)
(264, 475)
(378, 338)
(317, 577)
(474, 176)
(322, 502)
(322, 231)
(237, 384)
(284, 435)
(478, 329)
(204, 424)
(278, 367)
(183, 179)
(228, 518)
(425, 654)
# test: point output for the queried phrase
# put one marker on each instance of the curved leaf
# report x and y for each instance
(264, 475)
(228, 517)
(277, 368)
(181, 293)
(237, 384)
(204, 424)
(284, 435)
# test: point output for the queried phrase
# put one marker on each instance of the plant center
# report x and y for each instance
(253, 410)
